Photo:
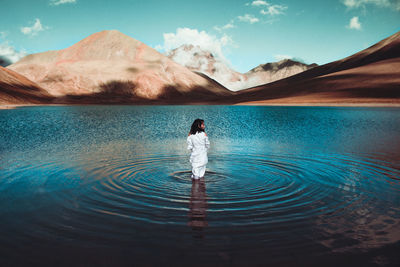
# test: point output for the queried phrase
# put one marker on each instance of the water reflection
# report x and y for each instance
(198, 207)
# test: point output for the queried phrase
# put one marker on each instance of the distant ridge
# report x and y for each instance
(284, 63)
(270, 72)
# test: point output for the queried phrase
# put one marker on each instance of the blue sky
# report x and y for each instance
(245, 33)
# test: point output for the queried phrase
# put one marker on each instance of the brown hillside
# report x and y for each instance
(372, 75)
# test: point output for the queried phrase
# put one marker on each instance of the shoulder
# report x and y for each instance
(203, 134)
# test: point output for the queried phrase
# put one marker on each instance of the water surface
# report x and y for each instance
(110, 185)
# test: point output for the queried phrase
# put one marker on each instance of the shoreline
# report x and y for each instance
(320, 104)
(249, 103)
(325, 102)
(14, 106)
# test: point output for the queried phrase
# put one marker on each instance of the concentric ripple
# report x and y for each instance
(212, 177)
(265, 197)
(284, 186)
(264, 188)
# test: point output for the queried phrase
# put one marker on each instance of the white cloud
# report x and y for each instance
(9, 55)
(248, 18)
(274, 10)
(34, 29)
(354, 24)
(268, 8)
(360, 3)
(393, 4)
(192, 57)
(396, 5)
(282, 57)
(61, 2)
(194, 37)
(229, 25)
(259, 3)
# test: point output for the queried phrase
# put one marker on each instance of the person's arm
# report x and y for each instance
(207, 142)
(189, 143)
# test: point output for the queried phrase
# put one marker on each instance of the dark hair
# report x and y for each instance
(196, 126)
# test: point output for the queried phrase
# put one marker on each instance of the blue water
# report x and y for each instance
(110, 186)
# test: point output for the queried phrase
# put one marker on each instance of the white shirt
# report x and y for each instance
(198, 144)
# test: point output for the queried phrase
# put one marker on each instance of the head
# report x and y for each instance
(197, 126)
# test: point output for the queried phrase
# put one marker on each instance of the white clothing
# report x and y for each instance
(198, 144)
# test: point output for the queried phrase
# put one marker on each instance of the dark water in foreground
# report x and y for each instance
(287, 186)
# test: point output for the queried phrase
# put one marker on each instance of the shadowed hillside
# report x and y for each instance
(125, 92)
(372, 75)
(17, 89)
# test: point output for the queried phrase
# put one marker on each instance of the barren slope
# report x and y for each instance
(108, 65)
(371, 75)
(17, 89)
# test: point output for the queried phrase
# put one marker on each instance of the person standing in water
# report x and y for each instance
(198, 144)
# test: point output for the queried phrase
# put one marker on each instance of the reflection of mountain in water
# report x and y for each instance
(198, 207)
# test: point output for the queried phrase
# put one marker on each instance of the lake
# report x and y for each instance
(111, 186)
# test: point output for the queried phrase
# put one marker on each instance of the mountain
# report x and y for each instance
(17, 89)
(372, 75)
(199, 60)
(109, 66)
(270, 72)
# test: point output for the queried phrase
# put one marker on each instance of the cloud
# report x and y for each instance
(229, 25)
(192, 57)
(274, 10)
(61, 2)
(282, 57)
(354, 24)
(352, 4)
(9, 55)
(34, 29)
(248, 18)
(361, 3)
(268, 8)
(259, 3)
(396, 5)
(195, 37)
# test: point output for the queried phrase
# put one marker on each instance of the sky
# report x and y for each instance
(244, 33)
